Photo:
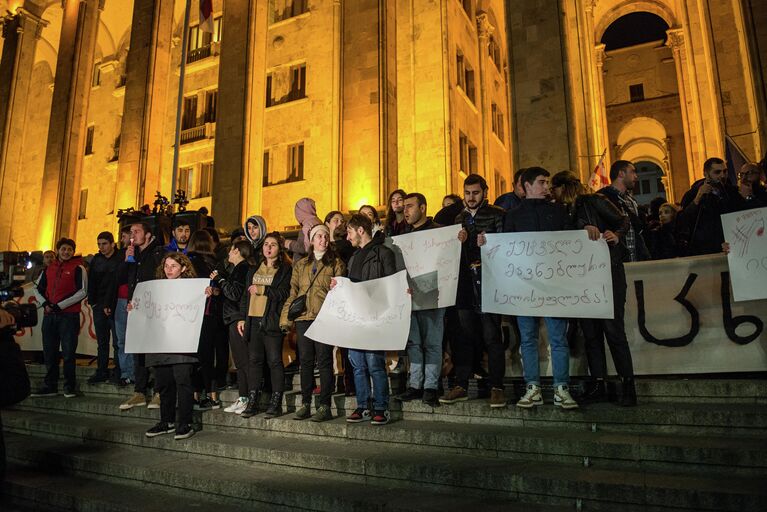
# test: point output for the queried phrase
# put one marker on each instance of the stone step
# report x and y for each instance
(696, 455)
(33, 490)
(290, 488)
(668, 418)
(749, 389)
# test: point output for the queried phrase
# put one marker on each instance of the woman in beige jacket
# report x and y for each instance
(311, 277)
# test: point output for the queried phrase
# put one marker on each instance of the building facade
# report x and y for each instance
(345, 101)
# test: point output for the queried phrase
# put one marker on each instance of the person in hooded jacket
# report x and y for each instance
(232, 286)
(306, 215)
(63, 286)
(201, 254)
(260, 307)
(311, 277)
(255, 231)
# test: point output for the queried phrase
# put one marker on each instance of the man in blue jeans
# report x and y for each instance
(424, 343)
(62, 286)
(537, 213)
(372, 260)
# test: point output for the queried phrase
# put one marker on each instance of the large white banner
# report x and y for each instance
(372, 315)
(744, 231)
(166, 317)
(432, 260)
(546, 274)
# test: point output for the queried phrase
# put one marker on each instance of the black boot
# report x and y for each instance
(275, 405)
(594, 392)
(253, 398)
(628, 392)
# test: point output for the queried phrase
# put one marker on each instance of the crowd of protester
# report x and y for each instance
(266, 291)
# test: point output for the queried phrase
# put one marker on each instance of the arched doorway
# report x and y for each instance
(644, 141)
(650, 182)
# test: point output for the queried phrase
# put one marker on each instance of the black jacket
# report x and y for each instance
(276, 295)
(446, 216)
(597, 210)
(537, 215)
(232, 287)
(102, 280)
(488, 218)
(145, 267)
(344, 249)
(373, 261)
(700, 224)
(612, 194)
(203, 265)
(429, 224)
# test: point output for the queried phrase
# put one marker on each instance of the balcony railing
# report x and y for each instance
(203, 131)
(198, 54)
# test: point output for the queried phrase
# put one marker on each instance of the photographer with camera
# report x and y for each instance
(63, 286)
(702, 207)
(14, 381)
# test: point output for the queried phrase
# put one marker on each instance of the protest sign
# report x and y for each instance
(547, 274)
(432, 259)
(166, 317)
(747, 259)
(372, 315)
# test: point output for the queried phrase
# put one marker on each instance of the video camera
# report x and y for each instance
(25, 315)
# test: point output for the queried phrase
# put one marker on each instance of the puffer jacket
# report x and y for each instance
(373, 261)
(276, 294)
(232, 287)
(315, 296)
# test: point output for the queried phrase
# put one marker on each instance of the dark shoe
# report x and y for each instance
(358, 416)
(594, 392)
(322, 414)
(456, 394)
(275, 405)
(303, 412)
(205, 404)
(410, 394)
(98, 378)
(380, 418)
(252, 408)
(125, 382)
(215, 404)
(160, 429)
(69, 393)
(184, 432)
(44, 392)
(497, 398)
(628, 392)
(430, 397)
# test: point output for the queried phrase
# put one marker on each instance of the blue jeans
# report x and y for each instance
(369, 364)
(556, 329)
(424, 348)
(121, 324)
(60, 330)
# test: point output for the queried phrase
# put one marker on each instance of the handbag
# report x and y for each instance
(298, 306)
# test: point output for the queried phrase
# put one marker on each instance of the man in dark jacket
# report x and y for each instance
(372, 260)
(623, 177)
(538, 213)
(182, 231)
(511, 200)
(102, 278)
(146, 250)
(63, 286)
(702, 207)
(424, 342)
(477, 328)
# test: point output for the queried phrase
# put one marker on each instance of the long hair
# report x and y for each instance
(201, 243)
(391, 217)
(179, 258)
(282, 254)
(570, 184)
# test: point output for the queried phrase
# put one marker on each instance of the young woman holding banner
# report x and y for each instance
(260, 307)
(311, 278)
(173, 372)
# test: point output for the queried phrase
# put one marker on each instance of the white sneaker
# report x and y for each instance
(563, 399)
(238, 405)
(531, 398)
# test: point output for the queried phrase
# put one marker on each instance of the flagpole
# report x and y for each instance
(180, 102)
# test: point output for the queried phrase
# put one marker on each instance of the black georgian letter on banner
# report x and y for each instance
(681, 341)
(731, 323)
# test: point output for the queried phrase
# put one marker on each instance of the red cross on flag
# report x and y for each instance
(206, 16)
(598, 178)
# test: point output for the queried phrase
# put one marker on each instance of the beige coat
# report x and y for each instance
(299, 284)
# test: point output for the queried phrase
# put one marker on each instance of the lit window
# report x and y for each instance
(285, 85)
(206, 180)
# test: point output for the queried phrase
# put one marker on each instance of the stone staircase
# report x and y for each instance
(698, 444)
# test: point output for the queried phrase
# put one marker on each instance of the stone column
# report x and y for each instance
(233, 162)
(145, 107)
(68, 123)
(20, 33)
(369, 112)
(692, 138)
(601, 102)
(484, 30)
